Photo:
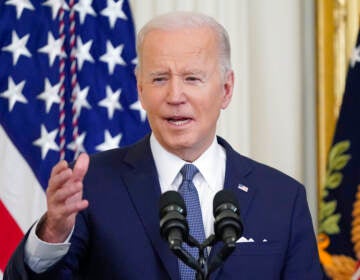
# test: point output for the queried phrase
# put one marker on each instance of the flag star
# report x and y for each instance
(20, 5)
(109, 142)
(81, 101)
(50, 94)
(114, 11)
(83, 52)
(53, 48)
(83, 7)
(77, 146)
(137, 106)
(14, 93)
(55, 6)
(135, 61)
(355, 56)
(18, 46)
(112, 56)
(46, 141)
(111, 101)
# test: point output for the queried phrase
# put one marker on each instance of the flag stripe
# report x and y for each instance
(10, 235)
(20, 191)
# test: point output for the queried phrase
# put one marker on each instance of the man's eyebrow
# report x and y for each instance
(194, 71)
(158, 73)
(185, 72)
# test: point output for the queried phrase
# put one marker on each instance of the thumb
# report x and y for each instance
(81, 167)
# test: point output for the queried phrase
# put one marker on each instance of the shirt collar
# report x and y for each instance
(167, 164)
(211, 164)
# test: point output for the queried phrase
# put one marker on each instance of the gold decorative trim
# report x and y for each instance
(337, 27)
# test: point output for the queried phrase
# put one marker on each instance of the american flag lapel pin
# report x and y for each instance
(243, 188)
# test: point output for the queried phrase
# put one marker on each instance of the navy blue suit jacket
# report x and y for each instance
(118, 237)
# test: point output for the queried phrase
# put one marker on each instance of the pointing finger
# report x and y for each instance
(60, 166)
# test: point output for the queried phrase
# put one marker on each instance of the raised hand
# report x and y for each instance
(64, 200)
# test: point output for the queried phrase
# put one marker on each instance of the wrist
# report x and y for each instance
(47, 233)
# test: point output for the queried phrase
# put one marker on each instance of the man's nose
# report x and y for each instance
(176, 94)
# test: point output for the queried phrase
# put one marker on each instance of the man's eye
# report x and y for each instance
(193, 79)
(159, 79)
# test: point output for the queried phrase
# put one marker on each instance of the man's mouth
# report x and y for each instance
(179, 121)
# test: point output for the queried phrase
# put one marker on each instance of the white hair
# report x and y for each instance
(177, 20)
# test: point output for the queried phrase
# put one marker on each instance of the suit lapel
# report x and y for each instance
(236, 177)
(237, 170)
(144, 190)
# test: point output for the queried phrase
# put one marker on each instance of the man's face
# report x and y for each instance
(182, 88)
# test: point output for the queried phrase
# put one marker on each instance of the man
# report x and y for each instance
(102, 219)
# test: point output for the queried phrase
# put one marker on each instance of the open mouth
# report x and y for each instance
(179, 121)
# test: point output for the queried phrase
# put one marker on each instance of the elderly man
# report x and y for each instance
(102, 218)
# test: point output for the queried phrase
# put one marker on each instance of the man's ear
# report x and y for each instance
(228, 88)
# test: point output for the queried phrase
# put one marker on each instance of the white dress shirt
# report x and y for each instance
(209, 180)
(40, 255)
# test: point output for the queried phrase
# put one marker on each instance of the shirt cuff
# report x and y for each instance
(41, 255)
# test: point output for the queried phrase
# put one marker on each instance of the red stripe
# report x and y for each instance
(10, 235)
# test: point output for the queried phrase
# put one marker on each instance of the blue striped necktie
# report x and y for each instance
(188, 190)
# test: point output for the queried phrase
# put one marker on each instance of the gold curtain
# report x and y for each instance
(337, 28)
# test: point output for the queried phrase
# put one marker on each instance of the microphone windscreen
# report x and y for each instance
(171, 198)
(224, 196)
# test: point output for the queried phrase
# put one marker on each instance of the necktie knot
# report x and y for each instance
(188, 172)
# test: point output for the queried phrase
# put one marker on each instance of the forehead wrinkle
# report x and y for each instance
(169, 64)
(179, 61)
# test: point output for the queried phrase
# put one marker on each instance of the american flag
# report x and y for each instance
(67, 86)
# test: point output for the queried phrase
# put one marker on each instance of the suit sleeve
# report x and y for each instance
(16, 268)
(302, 259)
(68, 267)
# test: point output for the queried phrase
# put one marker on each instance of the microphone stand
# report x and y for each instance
(202, 267)
(184, 255)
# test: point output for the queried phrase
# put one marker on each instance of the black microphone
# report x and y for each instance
(174, 227)
(228, 226)
(172, 212)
